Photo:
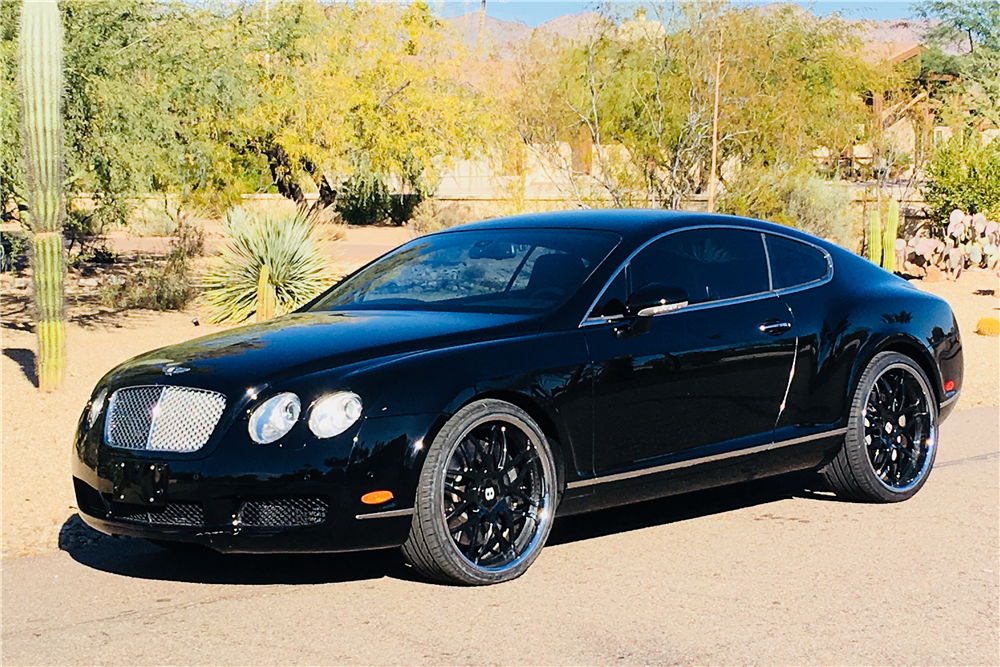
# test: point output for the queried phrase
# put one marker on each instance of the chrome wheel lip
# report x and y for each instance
(544, 515)
(930, 442)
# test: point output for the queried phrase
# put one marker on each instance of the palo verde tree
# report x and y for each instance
(975, 25)
(636, 97)
(365, 95)
(40, 71)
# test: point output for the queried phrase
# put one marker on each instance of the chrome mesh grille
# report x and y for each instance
(173, 419)
(283, 512)
(173, 514)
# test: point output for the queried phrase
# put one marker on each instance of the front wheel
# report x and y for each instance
(486, 497)
(891, 438)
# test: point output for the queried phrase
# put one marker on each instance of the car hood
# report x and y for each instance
(304, 343)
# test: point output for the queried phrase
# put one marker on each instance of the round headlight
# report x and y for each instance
(334, 414)
(96, 406)
(274, 418)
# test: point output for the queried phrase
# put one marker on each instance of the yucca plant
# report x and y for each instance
(41, 80)
(271, 264)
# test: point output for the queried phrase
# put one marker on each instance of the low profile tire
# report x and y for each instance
(892, 433)
(486, 497)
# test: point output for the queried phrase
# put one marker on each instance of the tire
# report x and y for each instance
(486, 497)
(892, 432)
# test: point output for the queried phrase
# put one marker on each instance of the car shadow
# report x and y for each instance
(687, 506)
(132, 557)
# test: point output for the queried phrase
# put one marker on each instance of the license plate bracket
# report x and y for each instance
(140, 483)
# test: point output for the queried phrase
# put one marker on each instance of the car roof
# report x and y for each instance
(630, 223)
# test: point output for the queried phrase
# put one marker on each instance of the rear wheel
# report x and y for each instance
(891, 438)
(486, 497)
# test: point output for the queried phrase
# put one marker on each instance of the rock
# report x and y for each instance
(21, 283)
(89, 282)
(934, 274)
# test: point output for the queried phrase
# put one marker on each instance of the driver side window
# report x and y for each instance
(710, 264)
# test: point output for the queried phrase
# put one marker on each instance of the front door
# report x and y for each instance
(712, 373)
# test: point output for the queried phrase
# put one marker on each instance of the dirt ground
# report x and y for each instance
(36, 429)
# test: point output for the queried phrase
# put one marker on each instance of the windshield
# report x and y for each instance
(487, 271)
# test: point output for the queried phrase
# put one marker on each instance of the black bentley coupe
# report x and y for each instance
(457, 394)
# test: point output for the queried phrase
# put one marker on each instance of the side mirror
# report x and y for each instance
(655, 298)
(650, 300)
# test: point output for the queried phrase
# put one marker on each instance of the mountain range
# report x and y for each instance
(501, 37)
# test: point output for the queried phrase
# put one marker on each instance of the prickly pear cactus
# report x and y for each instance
(874, 238)
(40, 71)
(889, 235)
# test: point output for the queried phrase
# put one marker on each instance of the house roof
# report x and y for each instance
(891, 52)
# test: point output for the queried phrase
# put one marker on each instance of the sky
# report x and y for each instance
(536, 13)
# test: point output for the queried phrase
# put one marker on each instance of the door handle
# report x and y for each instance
(774, 327)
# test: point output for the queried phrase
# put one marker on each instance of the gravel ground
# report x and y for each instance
(36, 429)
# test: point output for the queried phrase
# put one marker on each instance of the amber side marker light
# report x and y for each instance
(949, 385)
(376, 497)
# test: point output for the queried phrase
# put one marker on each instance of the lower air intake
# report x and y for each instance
(173, 514)
(283, 513)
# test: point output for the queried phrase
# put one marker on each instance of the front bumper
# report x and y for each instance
(296, 495)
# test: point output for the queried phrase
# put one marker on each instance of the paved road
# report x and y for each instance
(761, 574)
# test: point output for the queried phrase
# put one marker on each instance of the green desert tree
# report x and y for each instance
(974, 24)
(637, 97)
(330, 113)
(11, 164)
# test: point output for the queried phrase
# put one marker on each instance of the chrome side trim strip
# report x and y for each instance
(705, 459)
(767, 258)
(385, 515)
(950, 400)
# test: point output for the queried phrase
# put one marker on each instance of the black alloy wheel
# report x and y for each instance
(486, 497)
(891, 438)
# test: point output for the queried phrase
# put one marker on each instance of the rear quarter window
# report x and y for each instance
(794, 263)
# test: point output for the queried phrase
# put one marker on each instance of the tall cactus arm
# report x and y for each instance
(889, 235)
(41, 84)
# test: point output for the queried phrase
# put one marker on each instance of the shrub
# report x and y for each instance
(805, 202)
(822, 208)
(365, 200)
(296, 269)
(964, 174)
(152, 285)
(13, 250)
(155, 284)
(433, 216)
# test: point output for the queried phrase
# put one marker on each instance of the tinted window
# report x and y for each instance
(612, 301)
(502, 271)
(794, 263)
(710, 264)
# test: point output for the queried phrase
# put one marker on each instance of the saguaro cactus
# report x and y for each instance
(874, 238)
(41, 82)
(889, 234)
